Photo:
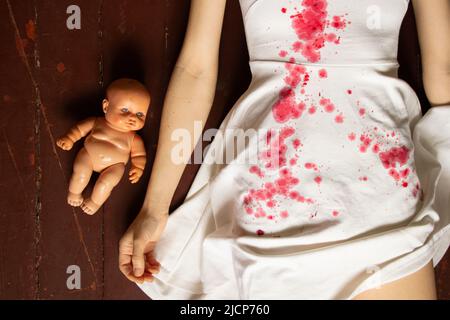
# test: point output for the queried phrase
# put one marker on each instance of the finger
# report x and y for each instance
(151, 263)
(148, 277)
(134, 180)
(125, 253)
(138, 259)
(127, 270)
(130, 276)
(151, 259)
(152, 268)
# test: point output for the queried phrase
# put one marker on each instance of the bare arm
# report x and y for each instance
(189, 97)
(433, 26)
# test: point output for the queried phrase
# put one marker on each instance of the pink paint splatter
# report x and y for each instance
(310, 165)
(284, 214)
(351, 136)
(338, 22)
(395, 155)
(365, 142)
(310, 25)
(362, 112)
(256, 170)
(275, 156)
(327, 104)
(323, 73)
(312, 110)
(339, 118)
(296, 143)
(376, 148)
(404, 173)
(286, 107)
(283, 53)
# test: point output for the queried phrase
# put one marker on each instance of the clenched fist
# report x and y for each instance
(64, 143)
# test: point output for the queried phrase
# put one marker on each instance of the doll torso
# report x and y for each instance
(107, 146)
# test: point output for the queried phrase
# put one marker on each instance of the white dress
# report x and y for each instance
(341, 188)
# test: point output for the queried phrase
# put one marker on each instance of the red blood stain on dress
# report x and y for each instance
(395, 155)
(339, 118)
(351, 136)
(323, 73)
(256, 170)
(362, 111)
(275, 155)
(283, 53)
(310, 25)
(327, 104)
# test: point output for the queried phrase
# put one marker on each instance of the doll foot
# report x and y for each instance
(75, 200)
(89, 206)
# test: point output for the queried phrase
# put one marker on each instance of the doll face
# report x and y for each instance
(126, 112)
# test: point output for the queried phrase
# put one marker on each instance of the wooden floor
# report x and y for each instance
(52, 77)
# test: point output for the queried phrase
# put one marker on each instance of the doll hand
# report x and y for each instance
(64, 143)
(135, 174)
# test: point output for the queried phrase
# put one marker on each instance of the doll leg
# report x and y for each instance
(107, 180)
(82, 172)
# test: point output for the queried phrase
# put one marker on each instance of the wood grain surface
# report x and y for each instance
(50, 78)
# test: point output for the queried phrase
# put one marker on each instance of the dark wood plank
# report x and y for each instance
(409, 57)
(70, 91)
(18, 155)
(56, 77)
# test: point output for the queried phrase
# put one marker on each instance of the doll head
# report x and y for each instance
(126, 104)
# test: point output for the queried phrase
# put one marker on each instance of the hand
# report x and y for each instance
(136, 259)
(64, 143)
(135, 174)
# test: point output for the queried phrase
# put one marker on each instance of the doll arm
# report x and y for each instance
(81, 129)
(77, 132)
(138, 159)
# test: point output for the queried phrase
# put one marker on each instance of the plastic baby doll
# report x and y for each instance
(111, 141)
